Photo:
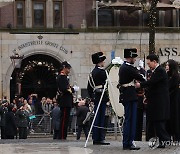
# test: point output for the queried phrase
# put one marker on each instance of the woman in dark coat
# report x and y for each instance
(173, 125)
(10, 123)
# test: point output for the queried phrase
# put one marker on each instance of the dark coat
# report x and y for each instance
(3, 110)
(128, 73)
(65, 99)
(22, 117)
(158, 95)
(10, 124)
(81, 114)
(174, 122)
(55, 114)
(99, 77)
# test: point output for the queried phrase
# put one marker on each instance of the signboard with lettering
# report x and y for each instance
(167, 51)
(41, 42)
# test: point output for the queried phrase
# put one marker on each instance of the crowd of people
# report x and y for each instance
(16, 115)
(16, 118)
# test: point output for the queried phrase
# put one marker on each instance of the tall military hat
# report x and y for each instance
(98, 57)
(130, 53)
(65, 64)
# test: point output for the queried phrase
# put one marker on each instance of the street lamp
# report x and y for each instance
(16, 61)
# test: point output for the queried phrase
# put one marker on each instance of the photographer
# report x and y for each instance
(22, 121)
(37, 104)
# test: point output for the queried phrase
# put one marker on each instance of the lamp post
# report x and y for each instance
(16, 61)
(98, 5)
(97, 14)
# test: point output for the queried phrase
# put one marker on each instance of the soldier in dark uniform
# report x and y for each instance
(128, 96)
(95, 87)
(65, 98)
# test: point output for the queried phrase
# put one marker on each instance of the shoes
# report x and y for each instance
(131, 148)
(100, 143)
(161, 146)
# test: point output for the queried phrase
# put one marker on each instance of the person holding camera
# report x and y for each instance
(22, 116)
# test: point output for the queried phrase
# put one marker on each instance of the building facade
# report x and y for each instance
(24, 30)
(77, 49)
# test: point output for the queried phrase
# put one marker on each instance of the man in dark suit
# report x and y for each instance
(128, 97)
(158, 98)
(65, 98)
(95, 88)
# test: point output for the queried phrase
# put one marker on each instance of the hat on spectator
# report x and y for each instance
(98, 57)
(130, 53)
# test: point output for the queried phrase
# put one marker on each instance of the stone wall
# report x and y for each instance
(77, 49)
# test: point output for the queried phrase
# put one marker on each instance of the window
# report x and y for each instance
(105, 17)
(57, 14)
(39, 14)
(20, 13)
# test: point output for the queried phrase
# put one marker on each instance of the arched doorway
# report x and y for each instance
(37, 75)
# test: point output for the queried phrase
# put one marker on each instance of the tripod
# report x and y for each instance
(100, 100)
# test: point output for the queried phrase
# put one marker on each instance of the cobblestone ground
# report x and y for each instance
(71, 146)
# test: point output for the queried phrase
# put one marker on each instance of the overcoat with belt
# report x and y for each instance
(158, 95)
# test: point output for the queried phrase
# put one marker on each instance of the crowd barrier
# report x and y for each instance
(42, 124)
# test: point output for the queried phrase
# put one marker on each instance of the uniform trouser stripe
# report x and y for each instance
(64, 119)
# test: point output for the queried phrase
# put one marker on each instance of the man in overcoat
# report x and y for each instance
(158, 98)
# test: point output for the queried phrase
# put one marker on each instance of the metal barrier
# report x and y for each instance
(40, 124)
